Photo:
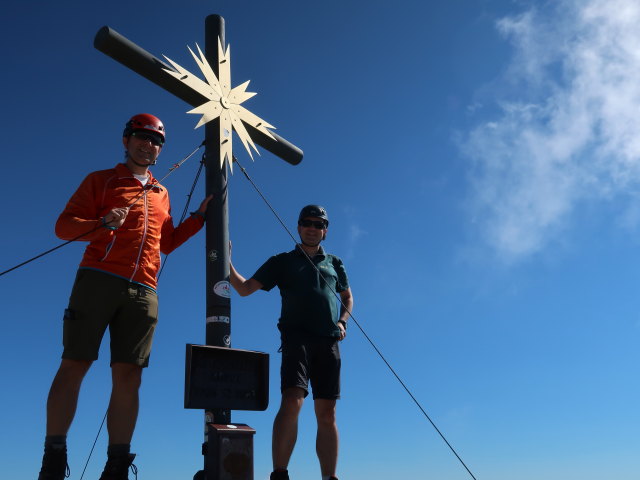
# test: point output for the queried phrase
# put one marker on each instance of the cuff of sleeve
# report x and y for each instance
(199, 213)
(104, 224)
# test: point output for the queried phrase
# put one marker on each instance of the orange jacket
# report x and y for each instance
(133, 250)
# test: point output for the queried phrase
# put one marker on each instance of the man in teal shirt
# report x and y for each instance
(311, 325)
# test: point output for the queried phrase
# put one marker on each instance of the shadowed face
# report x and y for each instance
(312, 230)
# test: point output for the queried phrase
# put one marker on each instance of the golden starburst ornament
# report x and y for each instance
(224, 102)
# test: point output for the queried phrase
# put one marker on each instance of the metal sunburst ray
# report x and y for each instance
(224, 102)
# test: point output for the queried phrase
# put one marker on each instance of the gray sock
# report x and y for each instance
(57, 442)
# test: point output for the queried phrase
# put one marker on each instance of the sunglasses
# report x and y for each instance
(149, 137)
(317, 224)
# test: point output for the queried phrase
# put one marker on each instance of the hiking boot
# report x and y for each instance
(117, 467)
(54, 464)
(279, 475)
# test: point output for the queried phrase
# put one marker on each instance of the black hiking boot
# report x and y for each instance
(54, 464)
(279, 475)
(117, 467)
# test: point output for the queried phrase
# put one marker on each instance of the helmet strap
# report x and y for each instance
(144, 165)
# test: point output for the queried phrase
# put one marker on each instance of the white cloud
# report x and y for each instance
(355, 233)
(569, 128)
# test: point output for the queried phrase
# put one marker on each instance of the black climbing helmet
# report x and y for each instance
(314, 211)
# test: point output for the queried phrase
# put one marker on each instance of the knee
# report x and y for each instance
(327, 418)
(72, 371)
(326, 415)
(292, 402)
(126, 376)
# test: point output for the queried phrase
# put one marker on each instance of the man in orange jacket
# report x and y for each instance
(125, 215)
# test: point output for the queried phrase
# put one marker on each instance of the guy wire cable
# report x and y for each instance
(142, 194)
(184, 211)
(356, 322)
(184, 214)
(94, 444)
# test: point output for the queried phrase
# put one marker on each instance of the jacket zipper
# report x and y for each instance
(144, 238)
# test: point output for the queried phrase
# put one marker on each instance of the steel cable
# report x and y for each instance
(135, 200)
(184, 211)
(391, 369)
(184, 214)
(141, 195)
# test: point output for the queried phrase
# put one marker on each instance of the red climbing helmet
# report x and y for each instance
(145, 122)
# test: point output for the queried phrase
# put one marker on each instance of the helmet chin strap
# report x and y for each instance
(144, 165)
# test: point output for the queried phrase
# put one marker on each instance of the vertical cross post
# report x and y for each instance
(218, 301)
(218, 306)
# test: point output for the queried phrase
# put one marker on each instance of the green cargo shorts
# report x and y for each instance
(98, 300)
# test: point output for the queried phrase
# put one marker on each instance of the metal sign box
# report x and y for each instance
(226, 378)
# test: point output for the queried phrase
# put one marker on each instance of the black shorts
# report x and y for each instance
(308, 358)
(100, 300)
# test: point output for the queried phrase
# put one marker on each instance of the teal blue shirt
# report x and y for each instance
(308, 300)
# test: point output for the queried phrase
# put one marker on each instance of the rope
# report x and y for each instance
(356, 322)
(94, 444)
(135, 200)
(184, 214)
(184, 211)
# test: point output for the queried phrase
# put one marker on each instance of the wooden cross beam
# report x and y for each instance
(114, 45)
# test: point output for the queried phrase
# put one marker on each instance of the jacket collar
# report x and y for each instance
(298, 250)
(123, 172)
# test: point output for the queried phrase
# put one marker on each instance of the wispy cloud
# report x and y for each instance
(354, 233)
(568, 128)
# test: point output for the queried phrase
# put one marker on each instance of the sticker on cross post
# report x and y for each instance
(218, 319)
(222, 289)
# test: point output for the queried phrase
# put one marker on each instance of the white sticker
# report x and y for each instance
(227, 340)
(222, 289)
(218, 319)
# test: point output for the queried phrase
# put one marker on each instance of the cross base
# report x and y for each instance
(228, 452)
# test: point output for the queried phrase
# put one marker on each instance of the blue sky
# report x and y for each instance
(480, 163)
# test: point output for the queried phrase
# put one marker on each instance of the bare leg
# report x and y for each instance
(327, 437)
(124, 404)
(285, 427)
(63, 395)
